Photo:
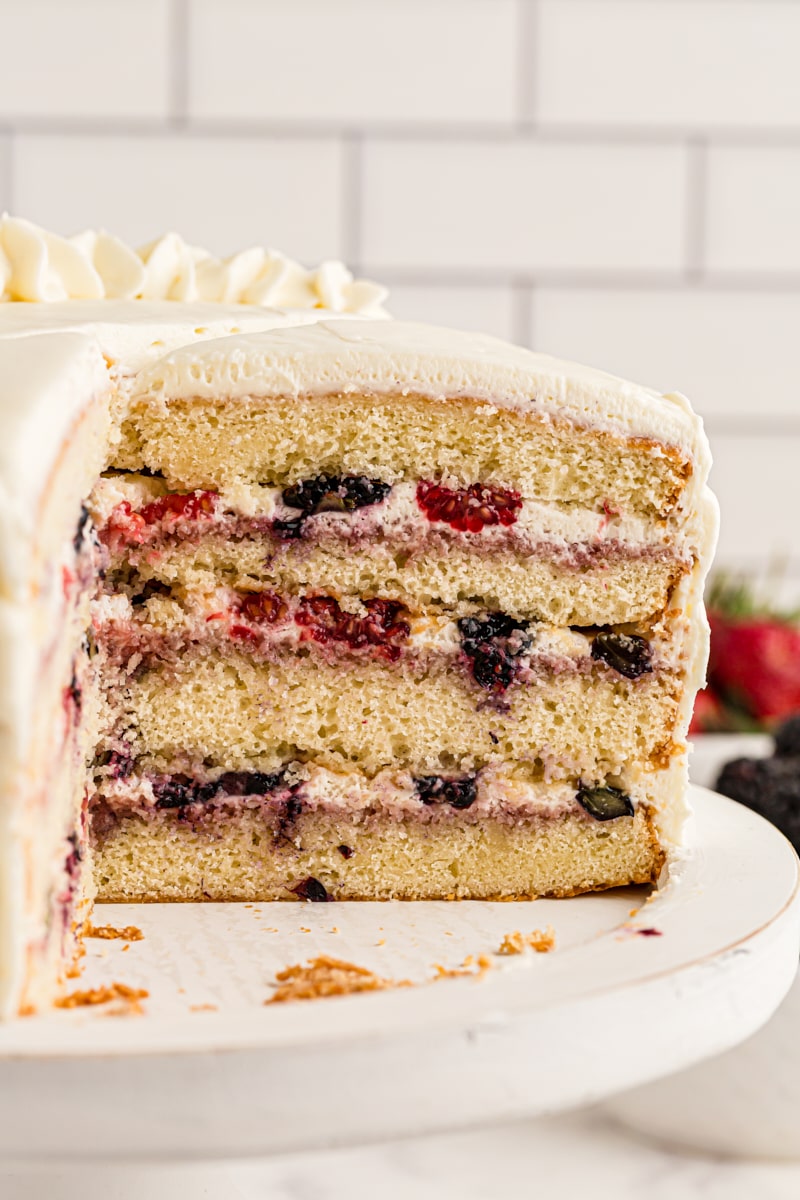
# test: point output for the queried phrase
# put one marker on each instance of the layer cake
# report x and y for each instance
(319, 605)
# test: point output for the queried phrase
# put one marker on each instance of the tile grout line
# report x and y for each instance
(179, 64)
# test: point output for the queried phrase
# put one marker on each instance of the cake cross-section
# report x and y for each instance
(360, 610)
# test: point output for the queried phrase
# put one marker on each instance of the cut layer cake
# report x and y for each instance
(319, 605)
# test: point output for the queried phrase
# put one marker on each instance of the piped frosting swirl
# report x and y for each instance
(39, 266)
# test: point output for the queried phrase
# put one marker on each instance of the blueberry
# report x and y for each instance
(311, 889)
(438, 789)
(346, 851)
(605, 803)
(627, 654)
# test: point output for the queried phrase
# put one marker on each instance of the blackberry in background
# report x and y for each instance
(770, 787)
(787, 738)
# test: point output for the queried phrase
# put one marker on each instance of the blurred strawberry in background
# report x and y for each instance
(754, 669)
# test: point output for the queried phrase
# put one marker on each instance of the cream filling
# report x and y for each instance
(207, 619)
(399, 518)
(501, 792)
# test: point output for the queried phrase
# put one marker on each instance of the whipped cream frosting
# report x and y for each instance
(37, 265)
(406, 358)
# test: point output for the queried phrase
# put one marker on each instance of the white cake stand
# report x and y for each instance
(622, 1000)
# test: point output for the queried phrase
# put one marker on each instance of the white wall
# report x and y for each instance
(613, 180)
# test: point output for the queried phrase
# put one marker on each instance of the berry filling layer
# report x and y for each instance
(137, 518)
(494, 649)
(500, 793)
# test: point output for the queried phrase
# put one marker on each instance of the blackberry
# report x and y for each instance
(249, 783)
(288, 530)
(494, 643)
(626, 653)
(311, 889)
(605, 803)
(335, 493)
(787, 738)
(438, 789)
(179, 791)
(770, 787)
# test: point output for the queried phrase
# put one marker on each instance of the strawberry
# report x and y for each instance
(757, 662)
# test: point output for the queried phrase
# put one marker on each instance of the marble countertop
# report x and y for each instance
(582, 1154)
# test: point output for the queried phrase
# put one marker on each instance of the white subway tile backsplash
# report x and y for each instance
(684, 63)
(353, 60)
(753, 218)
(482, 309)
(758, 485)
(732, 353)
(223, 193)
(85, 58)
(521, 205)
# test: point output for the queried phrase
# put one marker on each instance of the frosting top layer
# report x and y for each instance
(406, 358)
(39, 266)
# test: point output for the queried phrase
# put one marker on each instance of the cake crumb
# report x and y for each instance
(103, 995)
(203, 1008)
(326, 976)
(540, 940)
(475, 967)
(382, 942)
(129, 933)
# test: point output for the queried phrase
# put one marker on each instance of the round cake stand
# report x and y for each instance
(636, 988)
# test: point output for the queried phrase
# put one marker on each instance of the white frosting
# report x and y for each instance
(37, 265)
(403, 358)
(399, 517)
(134, 333)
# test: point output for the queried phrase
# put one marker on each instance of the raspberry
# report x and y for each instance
(262, 608)
(381, 629)
(128, 528)
(471, 509)
(494, 643)
(438, 789)
(176, 506)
